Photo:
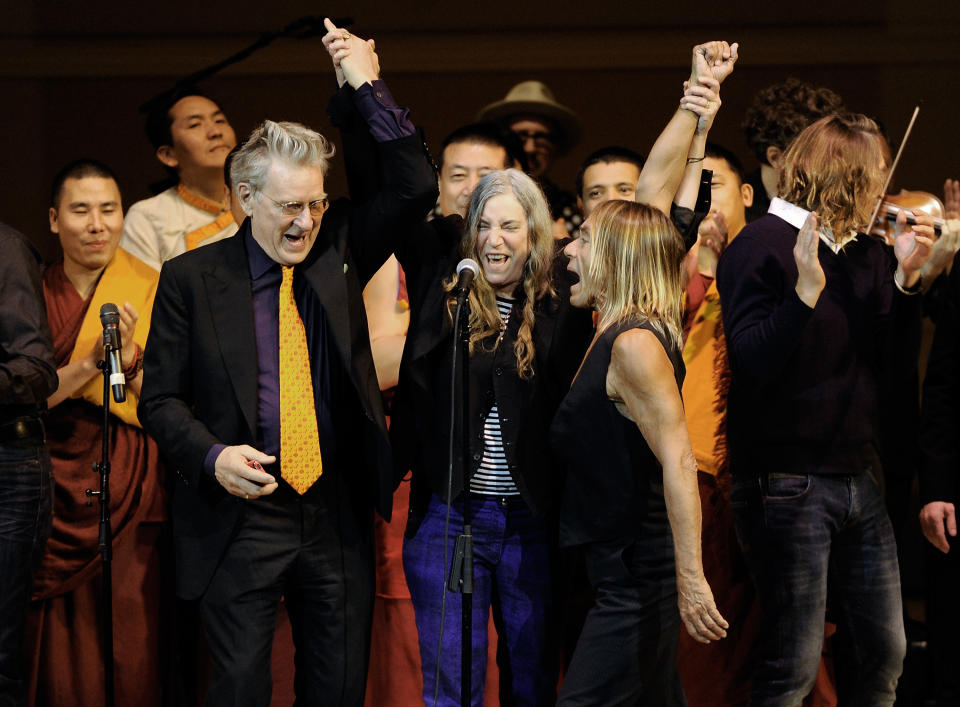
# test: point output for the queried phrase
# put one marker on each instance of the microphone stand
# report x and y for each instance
(105, 538)
(461, 570)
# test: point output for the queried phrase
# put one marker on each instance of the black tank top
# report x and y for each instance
(614, 482)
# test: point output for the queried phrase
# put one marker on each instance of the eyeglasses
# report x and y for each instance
(294, 208)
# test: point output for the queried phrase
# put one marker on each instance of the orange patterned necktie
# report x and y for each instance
(300, 461)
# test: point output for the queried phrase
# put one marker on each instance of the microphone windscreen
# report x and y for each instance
(468, 264)
(109, 314)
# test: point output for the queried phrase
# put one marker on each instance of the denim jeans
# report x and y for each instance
(511, 571)
(799, 533)
(26, 500)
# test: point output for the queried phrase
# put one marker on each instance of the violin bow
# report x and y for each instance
(893, 167)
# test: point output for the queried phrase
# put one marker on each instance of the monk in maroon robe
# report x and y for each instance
(64, 632)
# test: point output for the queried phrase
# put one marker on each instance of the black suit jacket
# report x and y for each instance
(200, 364)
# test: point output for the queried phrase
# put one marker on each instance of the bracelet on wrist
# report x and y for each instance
(136, 364)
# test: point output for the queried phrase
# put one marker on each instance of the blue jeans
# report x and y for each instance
(511, 571)
(796, 531)
(26, 500)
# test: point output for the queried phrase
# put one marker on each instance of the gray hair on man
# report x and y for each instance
(287, 141)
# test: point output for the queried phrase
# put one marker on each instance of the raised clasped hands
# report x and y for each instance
(234, 471)
(698, 610)
(715, 59)
(355, 60)
(703, 99)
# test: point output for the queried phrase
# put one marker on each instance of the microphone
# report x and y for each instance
(110, 319)
(467, 269)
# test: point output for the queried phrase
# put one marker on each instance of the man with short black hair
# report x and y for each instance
(192, 137)
(608, 173)
(65, 643)
(466, 155)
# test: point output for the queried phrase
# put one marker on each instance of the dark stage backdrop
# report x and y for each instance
(73, 74)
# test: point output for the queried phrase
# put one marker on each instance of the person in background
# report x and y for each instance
(608, 173)
(547, 129)
(938, 475)
(718, 673)
(192, 137)
(774, 117)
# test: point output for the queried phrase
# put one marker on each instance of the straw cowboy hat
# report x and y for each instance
(535, 99)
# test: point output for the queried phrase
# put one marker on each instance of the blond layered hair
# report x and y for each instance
(485, 320)
(636, 267)
(835, 167)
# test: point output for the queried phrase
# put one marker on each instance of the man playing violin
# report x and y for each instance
(817, 326)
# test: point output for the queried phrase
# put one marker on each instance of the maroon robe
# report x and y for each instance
(64, 637)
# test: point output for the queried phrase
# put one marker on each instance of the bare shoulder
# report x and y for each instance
(639, 353)
(639, 366)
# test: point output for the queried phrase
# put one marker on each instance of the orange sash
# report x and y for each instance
(125, 279)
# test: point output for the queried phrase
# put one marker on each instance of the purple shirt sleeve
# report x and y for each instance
(387, 120)
(210, 461)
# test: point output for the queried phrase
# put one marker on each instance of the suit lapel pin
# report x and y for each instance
(345, 267)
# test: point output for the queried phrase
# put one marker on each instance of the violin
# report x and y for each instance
(892, 204)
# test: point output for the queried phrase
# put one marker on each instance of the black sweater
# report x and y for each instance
(808, 384)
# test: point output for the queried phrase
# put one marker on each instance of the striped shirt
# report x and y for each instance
(493, 476)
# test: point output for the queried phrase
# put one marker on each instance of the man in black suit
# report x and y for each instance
(212, 398)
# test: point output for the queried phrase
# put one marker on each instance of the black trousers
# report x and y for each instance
(627, 651)
(316, 552)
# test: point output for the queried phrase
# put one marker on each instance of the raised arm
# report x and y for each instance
(667, 160)
(704, 100)
(407, 181)
(641, 377)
